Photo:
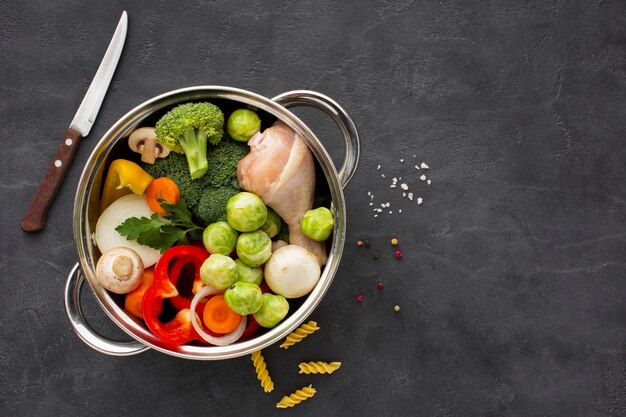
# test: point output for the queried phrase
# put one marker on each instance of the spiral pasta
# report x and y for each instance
(318, 367)
(261, 371)
(300, 333)
(297, 397)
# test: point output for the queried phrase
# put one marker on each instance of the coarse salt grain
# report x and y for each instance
(402, 160)
(392, 186)
(416, 167)
(400, 211)
(419, 200)
(428, 182)
(411, 196)
(404, 186)
(378, 167)
(423, 177)
(424, 166)
(403, 194)
(382, 175)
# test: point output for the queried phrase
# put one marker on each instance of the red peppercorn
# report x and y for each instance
(380, 285)
(398, 254)
(359, 298)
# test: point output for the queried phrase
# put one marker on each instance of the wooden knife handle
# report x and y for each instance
(35, 216)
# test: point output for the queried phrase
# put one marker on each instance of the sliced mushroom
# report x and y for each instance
(144, 141)
(120, 270)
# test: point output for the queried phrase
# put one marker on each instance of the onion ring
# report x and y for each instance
(225, 340)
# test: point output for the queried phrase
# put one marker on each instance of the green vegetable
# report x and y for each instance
(254, 248)
(243, 124)
(246, 212)
(218, 271)
(162, 233)
(223, 159)
(220, 181)
(244, 297)
(187, 128)
(272, 223)
(212, 205)
(248, 273)
(317, 224)
(273, 309)
(220, 238)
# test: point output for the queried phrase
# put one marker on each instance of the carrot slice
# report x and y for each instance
(162, 188)
(218, 317)
(132, 303)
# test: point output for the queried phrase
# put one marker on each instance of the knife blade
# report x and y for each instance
(37, 211)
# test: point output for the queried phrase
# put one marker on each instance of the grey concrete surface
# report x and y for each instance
(511, 286)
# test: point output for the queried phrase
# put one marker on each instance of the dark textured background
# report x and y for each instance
(512, 281)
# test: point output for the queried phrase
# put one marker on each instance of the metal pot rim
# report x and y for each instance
(83, 225)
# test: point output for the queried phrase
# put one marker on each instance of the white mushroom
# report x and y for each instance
(120, 270)
(144, 141)
(292, 271)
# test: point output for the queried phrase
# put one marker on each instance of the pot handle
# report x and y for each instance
(339, 115)
(85, 332)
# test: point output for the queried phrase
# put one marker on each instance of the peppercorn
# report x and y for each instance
(375, 254)
(380, 285)
(398, 254)
(394, 242)
(366, 242)
(359, 298)
(359, 243)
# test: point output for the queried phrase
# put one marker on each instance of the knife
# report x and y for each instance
(35, 217)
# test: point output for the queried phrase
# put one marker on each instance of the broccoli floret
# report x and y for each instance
(219, 181)
(187, 128)
(175, 167)
(223, 160)
(212, 205)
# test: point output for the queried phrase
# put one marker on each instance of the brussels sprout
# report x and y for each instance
(254, 248)
(272, 223)
(218, 271)
(248, 273)
(246, 212)
(243, 124)
(220, 238)
(244, 297)
(273, 309)
(317, 224)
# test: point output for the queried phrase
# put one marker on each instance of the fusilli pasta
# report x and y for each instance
(297, 397)
(300, 333)
(261, 371)
(318, 367)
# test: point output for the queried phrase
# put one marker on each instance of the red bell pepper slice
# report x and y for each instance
(175, 269)
(179, 330)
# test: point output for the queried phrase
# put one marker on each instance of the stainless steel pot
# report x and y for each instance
(87, 198)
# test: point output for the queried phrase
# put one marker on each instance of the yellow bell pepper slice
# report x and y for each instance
(123, 177)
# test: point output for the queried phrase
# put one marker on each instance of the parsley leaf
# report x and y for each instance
(162, 233)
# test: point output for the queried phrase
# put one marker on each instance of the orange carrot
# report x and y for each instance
(132, 303)
(218, 317)
(162, 188)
